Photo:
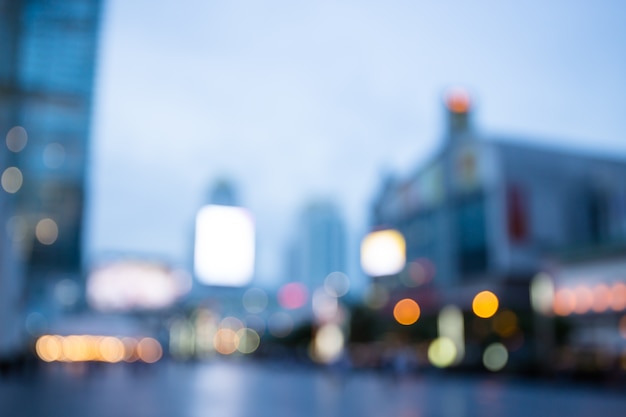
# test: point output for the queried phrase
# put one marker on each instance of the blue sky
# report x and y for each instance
(301, 100)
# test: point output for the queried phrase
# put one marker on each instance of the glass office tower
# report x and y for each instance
(46, 85)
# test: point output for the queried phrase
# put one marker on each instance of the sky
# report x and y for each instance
(297, 101)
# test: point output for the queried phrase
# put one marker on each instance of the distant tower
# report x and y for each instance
(223, 193)
(320, 245)
(458, 105)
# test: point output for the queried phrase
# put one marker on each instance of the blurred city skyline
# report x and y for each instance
(299, 102)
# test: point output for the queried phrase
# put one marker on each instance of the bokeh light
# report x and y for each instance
(505, 323)
(618, 299)
(111, 349)
(280, 324)
(84, 348)
(47, 231)
(293, 295)
(406, 311)
(248, 340)
(12, 180)
(255, 300)
(602, 298)
(485, 304)
(450, 325)
(564, 302)
(584, 299)
(325, 307)
(337, 284)
(495, 357)
(328, 343)
(458, 100)
(542, 293)
(442, 352)
(16, 139)
(130, 349)
(226, 341)
(383, 253)
(128, 285)
(49, 348)
(149, 350)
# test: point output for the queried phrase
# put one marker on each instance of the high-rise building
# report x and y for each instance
(49, 51)
(319, 247)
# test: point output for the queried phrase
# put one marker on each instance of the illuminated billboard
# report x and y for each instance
(224, 246)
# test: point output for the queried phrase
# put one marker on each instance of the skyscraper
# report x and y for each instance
(320, 245)
(46, 87)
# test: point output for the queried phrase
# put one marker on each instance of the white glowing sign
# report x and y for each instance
(224, 247)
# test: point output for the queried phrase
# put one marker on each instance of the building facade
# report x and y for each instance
(46, 87)
(488, 211)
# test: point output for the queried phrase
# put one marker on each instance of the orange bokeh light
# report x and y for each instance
(602, 298)
(406, 311)
(458, 101)
(618, 299)
(149, 350)
(485, 304)
(584, 299)
(564, 302)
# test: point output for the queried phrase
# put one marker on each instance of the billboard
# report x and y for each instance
(224, 250)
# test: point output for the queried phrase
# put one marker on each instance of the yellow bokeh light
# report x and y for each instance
(248, 340)
(406, 311)
(111, 349)
(75, 349)
(442, 352)
(49, 348)
(383, 253)
(328, 344)
(485, 304)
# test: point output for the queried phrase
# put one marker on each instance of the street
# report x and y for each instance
(249, 389)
